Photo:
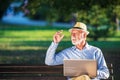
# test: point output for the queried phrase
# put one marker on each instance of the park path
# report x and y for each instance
(20, 20)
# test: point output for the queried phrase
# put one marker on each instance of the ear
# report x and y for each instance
(84, 35)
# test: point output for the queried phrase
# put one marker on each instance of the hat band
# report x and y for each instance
(77, 28)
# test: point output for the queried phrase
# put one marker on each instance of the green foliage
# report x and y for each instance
(117, 10)
(99, 23)
(64, 7)
(100, 15)
(94, 13)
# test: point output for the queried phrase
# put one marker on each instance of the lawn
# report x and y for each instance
(28, 44)
(25, 37)
(14, 37)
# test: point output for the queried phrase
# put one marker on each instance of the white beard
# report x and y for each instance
(78, 42)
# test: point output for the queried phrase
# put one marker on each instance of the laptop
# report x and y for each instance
(77, 67)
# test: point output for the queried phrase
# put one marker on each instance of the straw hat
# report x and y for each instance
(80, 25)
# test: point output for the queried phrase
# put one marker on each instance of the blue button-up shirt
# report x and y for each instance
(88, 52)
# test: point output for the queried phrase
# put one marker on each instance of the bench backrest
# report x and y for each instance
(40, 70)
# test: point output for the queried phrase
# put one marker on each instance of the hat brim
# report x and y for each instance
(79, 29)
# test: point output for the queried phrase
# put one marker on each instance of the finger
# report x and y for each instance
(62, 36)
(59, 32)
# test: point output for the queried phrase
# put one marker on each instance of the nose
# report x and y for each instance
(73, 36)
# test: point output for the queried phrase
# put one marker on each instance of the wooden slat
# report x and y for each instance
(41, 70)
(35, 78)
(32, 69)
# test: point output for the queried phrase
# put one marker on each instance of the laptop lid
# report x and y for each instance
(77, 67)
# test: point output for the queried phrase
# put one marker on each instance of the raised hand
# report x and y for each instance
(58, 36)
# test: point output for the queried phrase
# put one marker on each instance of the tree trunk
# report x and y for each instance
(117, 23)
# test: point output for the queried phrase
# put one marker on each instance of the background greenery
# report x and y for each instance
(28, 44)
(102, 16)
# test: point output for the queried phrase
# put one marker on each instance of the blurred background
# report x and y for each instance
(27, 27)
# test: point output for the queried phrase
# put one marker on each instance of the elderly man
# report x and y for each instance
(80, 50)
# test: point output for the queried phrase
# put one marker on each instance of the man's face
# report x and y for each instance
(77, 36)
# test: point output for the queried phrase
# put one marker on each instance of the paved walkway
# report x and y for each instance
(26, 21)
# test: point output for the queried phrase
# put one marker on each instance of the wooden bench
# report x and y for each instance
(110, 67)
(37, 72)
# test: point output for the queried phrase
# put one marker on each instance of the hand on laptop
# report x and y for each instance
(58, 36)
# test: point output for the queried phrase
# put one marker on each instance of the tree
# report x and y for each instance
(99, 23)
(101, 15)
(116, 16)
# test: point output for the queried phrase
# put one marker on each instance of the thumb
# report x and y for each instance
(62, 36)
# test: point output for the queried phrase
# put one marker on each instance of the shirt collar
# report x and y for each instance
(86, 46)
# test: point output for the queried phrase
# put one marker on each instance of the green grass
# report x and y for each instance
(25, 37)
(14, 37)
(28, 44)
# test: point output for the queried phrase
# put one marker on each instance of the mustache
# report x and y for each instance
(75, 38)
